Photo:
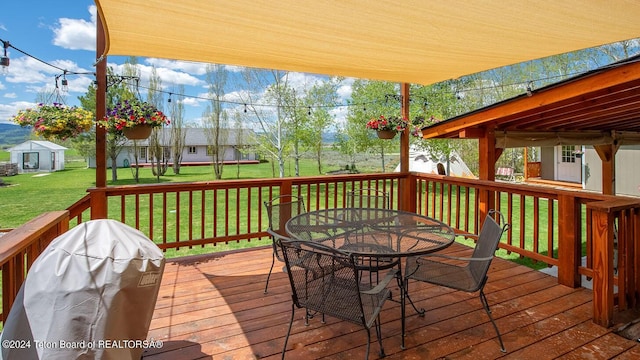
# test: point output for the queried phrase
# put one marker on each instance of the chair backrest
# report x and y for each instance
(368, 198)
(487, 244)
(282, 208)
(323, 279)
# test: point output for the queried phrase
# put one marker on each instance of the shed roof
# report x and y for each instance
(37, 145)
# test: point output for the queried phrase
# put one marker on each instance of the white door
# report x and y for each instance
(569, 166)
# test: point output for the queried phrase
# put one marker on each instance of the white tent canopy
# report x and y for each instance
(422, 161)
(414, 41)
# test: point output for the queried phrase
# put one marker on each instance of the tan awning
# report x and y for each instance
(405, 41)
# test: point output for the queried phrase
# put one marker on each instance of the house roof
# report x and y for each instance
(200, 137)
(37, 145)
(598, 107)
(415, 41)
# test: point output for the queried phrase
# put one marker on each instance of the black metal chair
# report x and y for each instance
(373, 199)
(368, 198)
(279, 210)
(326, 280)
(465, 274)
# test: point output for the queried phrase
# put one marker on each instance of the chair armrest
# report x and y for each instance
(453, 258)
(277, 236)
(391, 274)
(467, 235)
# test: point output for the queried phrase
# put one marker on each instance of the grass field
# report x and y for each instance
(27, 195)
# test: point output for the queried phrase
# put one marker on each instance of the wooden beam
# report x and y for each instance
(473, 133)
(607, 154)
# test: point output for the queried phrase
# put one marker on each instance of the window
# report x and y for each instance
(30, 160)
(143, 153)
(193, 150)
(568, 154)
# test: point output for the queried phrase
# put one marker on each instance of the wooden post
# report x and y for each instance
(487, 171)
(601, 221)
(404, 193)
(569, 242)
(607, 154)
(525, 170)
(99, 204)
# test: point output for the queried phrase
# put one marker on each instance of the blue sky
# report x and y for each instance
(63, 34)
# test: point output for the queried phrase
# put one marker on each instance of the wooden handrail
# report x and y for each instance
(20, 247)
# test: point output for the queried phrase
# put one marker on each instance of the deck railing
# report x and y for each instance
(552, 226)
(20, 247)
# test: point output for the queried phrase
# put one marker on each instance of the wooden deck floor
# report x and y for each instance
(214, 308)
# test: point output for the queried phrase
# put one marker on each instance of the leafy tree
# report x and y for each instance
(157, 153)
(373, 98)
(215, 117)
(178, 131)
(271, 87)
(316, 106)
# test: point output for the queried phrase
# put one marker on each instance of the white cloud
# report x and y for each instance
(345, 90)
(8, 110)
(168, 76)
(185, 66)
(76, 34)
(29, 71)
(10, 95)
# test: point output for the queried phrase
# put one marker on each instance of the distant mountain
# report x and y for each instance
(11, 135)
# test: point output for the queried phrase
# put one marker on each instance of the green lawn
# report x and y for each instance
(28, 195)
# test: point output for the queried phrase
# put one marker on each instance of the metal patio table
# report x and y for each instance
(383, 236)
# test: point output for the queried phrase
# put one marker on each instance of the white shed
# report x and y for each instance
(38, 156)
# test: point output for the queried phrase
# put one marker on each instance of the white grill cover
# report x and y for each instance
(93, 288)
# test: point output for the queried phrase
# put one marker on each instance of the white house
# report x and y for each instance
(38, 156)
(581, 166)
(236, 144)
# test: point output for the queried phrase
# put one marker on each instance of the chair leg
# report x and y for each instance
(366, 356)
(273, 261)
(485, 304)
(286, 339)
(379, 336)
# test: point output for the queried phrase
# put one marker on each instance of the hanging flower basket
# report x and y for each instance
(386, 128)
(55, 121)
(138, 132)
(386, 134)
(134, 119)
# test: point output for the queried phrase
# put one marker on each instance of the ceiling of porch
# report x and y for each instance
(599, 107)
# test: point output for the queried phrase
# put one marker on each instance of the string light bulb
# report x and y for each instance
(4, 60)
(530, 88)
(65, 82)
